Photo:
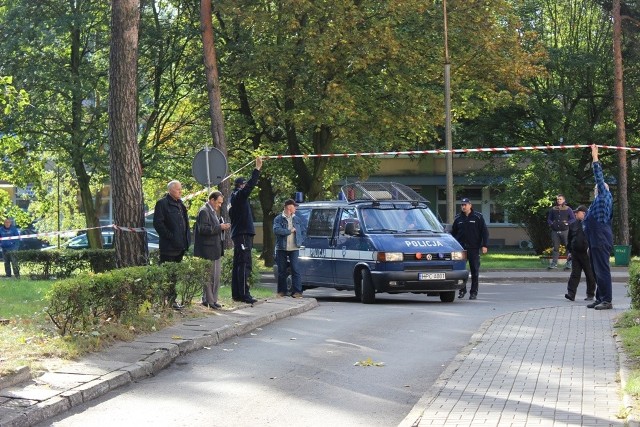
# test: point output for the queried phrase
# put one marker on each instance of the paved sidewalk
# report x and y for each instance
(546, 367)
(73, 383)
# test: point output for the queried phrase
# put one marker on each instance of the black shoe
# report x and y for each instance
(588, 298)
(462, 293)
(215, 305)
(250, 300)
(177, 306)
(593, 304)
(473, 296)
(604, 305)
(569, 297)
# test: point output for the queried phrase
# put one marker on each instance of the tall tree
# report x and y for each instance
(57, 51)
(358, 76)
(569, 103)
(213, 91)
(126, 170)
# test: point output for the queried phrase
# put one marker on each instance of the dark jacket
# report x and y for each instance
(207, 234)
(281, 230)
(240, 211)
(9, 244)
(576, 239)
(559, 217)
(171, 221)
(470, 230)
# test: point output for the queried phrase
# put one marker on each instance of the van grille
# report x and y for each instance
(427, 267)
(434, 257)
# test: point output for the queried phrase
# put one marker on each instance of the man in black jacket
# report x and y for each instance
(242, 232)
(471, 232)
(577, 245)
(171, 221)
(559, 218)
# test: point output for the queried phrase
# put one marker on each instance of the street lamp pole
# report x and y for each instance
(447, 107)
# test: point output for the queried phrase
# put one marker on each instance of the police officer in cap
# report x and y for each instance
(470, 230)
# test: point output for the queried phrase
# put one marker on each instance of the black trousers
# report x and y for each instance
(473, 256)
(580, 262)
(242, 265)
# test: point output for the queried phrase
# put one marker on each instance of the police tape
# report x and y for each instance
(65, 233)
(453, 151)
(343, 155)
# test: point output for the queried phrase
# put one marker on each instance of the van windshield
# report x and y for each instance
(399, 220)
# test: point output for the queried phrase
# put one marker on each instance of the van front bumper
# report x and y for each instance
(408, 281)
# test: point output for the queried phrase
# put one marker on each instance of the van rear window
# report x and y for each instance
(321, 222)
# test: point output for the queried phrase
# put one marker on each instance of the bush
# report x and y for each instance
(83, 302)
(633, 287)
(64, 263)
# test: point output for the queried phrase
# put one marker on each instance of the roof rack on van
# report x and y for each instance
(377, 191)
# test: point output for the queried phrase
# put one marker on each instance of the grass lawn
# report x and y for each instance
(27, 336)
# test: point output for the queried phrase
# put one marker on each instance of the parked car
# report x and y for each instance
(380, 237)
(82, 241)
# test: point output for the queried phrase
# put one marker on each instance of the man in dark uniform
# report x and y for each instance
(171, 221)
(242, 232)
(471, 232)
(577, 245)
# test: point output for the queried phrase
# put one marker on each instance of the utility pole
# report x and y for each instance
(447, 107)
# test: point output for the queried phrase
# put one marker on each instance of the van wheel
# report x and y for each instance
(448, 296)
(358, 289)
(368, 292)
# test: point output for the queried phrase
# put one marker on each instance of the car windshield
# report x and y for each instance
(407, 219)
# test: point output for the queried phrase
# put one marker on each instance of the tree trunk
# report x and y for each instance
(623, 204)
(126, 171)
(213, 91)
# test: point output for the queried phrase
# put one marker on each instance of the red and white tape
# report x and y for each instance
(444, 151)
(343, 155)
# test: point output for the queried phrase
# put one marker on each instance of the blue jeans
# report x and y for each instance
(288, 260)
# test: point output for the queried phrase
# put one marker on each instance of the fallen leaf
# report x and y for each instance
(368, 362)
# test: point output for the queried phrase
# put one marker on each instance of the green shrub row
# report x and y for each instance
(83, 302)
(633, 287)
(65, 263)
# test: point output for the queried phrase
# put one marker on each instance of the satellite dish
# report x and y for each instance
(217, 167)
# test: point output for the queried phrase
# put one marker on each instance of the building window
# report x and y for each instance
(482, 199)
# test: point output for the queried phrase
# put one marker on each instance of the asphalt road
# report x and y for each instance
(302, 371)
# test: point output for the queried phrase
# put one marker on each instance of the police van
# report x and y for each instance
(380, 237)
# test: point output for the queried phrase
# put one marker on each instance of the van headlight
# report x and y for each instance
(459, 256)
(389, 256)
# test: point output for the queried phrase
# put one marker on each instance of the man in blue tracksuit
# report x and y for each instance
(597, 228)
(471, 232)
(9, 247)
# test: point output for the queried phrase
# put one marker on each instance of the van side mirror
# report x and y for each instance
(352, 228)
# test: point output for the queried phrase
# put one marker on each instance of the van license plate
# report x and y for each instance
(431, 276)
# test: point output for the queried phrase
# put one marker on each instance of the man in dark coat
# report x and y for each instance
(577, 245)
(242, 232)
(470, 230)
(208, 243)
(171, 221)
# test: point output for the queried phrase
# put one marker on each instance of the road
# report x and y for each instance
(302, 371)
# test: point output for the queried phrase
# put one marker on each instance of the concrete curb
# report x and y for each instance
(627, 400)
(414, 417)
(56, 392)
